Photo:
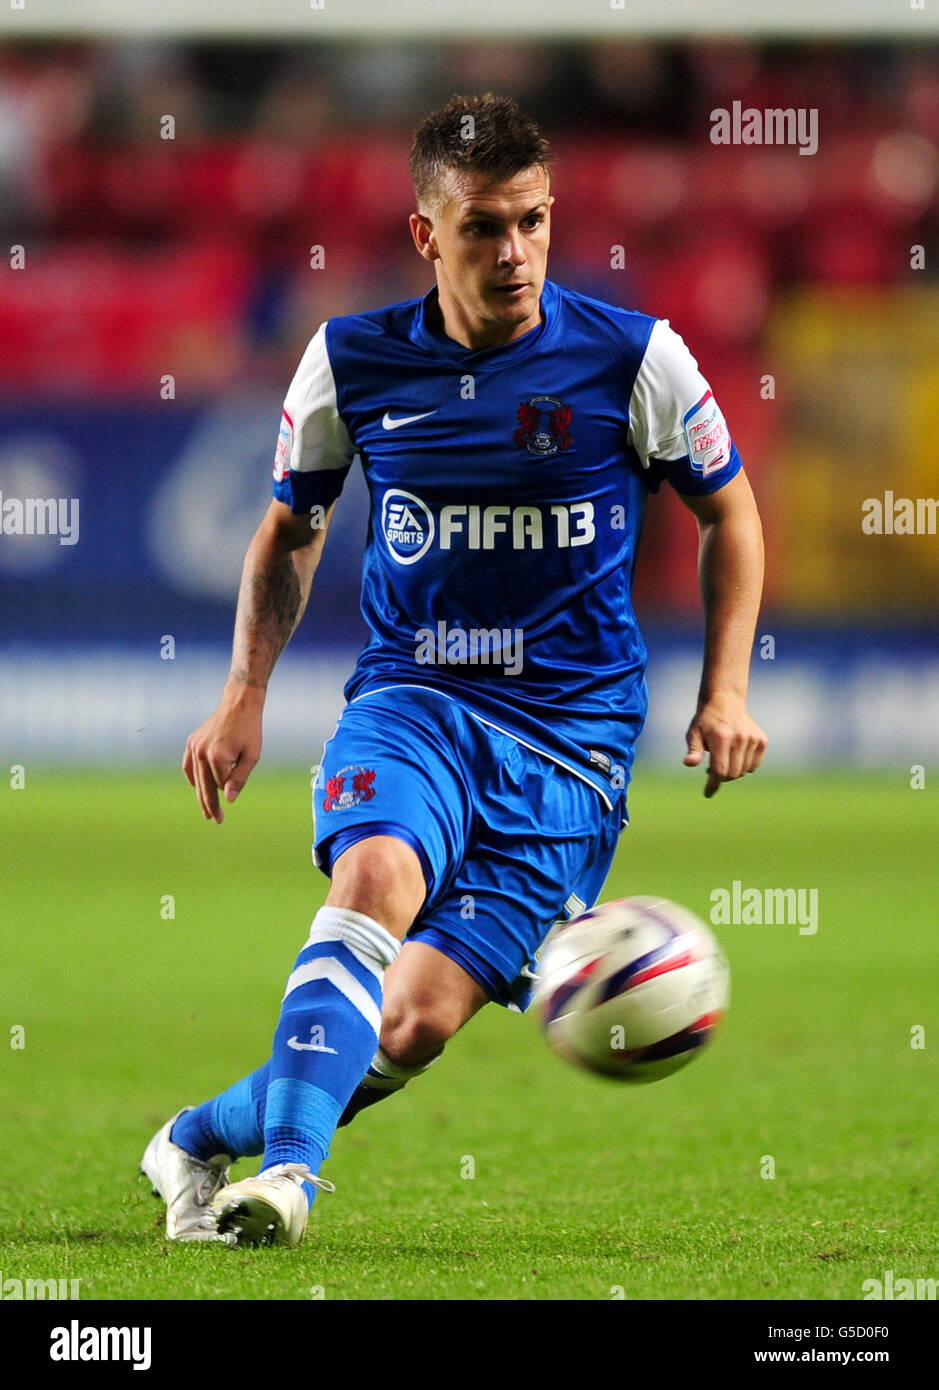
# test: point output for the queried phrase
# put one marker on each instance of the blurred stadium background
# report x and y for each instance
(795, 280)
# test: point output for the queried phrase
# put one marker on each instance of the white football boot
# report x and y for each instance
(269, 1209)
(186, 1185)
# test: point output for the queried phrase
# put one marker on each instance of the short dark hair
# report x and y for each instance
(489, 134)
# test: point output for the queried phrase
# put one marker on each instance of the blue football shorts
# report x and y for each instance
(510, 842)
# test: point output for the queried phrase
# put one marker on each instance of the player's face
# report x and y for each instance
(489, 245)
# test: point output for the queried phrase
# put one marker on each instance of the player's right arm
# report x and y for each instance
(313, 456)
(275, 585)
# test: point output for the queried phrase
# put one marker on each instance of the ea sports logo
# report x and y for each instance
(407, 525)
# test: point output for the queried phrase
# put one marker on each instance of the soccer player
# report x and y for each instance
(474, 790)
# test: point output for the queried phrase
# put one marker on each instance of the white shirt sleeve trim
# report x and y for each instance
(667, 386)
(318, 439)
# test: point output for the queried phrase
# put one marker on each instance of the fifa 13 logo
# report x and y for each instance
(410, 527)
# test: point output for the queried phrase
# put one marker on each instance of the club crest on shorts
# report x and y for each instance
(349, 787)
(544, 425)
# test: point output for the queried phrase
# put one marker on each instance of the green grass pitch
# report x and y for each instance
(583, 1189)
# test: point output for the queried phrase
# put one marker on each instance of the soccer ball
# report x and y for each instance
(632, 989)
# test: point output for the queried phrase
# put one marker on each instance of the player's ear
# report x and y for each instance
(422, 230)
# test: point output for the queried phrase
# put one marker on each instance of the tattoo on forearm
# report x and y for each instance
(269, 607)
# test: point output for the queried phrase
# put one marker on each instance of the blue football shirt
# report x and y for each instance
(507, 492)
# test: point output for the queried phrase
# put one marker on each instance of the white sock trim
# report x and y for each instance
(328, 968)
(393, 1071)
(375, 947)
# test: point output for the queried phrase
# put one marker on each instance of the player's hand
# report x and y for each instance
(223, 751)
(736, 743)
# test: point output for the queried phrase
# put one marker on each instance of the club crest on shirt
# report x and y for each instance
(340, 796)
(544, 425)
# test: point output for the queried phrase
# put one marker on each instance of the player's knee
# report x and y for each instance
(381, 877)
(418, 1030)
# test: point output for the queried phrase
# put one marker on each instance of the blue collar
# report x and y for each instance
(426, 334)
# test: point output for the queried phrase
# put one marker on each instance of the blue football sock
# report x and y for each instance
(383, 1078)
(231, 1123)
(328, 1031)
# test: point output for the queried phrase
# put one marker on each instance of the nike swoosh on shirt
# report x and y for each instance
(388, 423)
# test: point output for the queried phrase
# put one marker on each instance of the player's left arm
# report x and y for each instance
(730, 569)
